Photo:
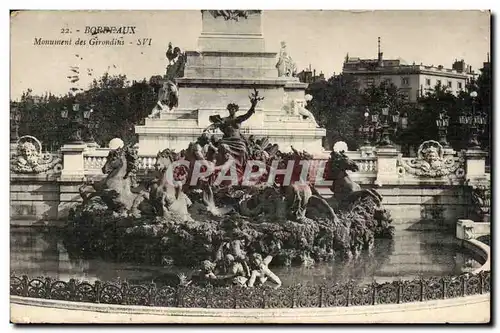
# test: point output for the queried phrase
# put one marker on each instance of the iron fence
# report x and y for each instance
(235, 297)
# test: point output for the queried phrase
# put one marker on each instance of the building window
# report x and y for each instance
(427, 82)
(459, 85)
(405, 81)
(449, 84)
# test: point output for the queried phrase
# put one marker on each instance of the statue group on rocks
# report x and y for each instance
(208, 220)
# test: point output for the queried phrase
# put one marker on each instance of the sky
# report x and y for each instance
(320, 38)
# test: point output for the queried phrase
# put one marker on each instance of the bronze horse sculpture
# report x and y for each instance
(345, 190)
(166, 195)
(116, 189)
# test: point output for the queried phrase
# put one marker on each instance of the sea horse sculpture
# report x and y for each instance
(166, 196)
(116, 189)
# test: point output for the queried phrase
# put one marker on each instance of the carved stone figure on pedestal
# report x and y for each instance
(286, 66)
(30, 159)
(430, 162)
(168, 96)
(298, 107)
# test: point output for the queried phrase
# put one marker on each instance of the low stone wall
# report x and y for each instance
(33, 199)
(425, 206)
(468, 232)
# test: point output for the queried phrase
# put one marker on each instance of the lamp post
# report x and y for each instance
(367, 130)
(77, 120)
(89, 137)
(474, 121)
(442, 123)
(388, 124)
(381, 124)
(15, 119)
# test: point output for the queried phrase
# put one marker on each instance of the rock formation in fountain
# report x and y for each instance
(183, 217)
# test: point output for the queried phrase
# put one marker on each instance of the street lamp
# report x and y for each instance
(442, 123)
(474, 121)
(389, 123)
(382, 124)
(15, 119)
(87, 113)
(367, 130)
(78, 120)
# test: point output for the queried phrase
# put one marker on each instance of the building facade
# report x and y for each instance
(309, 76)
(412, 80)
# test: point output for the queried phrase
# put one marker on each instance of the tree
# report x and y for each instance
(336, 106)
(117, 104)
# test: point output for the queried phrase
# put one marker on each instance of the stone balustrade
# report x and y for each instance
(94, 160)
(428, 187)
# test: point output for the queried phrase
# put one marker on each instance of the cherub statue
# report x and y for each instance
(237, 270)
(207, 270)
(261, 270)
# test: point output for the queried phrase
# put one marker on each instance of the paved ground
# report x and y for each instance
(474, 309)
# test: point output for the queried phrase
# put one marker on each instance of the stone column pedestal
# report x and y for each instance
(475, 163)
(73, 167)
(387, 158)
(465, 229)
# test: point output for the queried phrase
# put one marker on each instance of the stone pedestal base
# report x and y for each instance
(465, 229)
(386, 165)
(73, 167)
(475, 165)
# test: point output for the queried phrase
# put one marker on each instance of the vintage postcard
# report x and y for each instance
(250, 166)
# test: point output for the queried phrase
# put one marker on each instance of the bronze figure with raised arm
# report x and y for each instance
(231, 127)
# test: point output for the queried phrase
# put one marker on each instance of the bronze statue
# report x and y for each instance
(234, 144)
(176, 62)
